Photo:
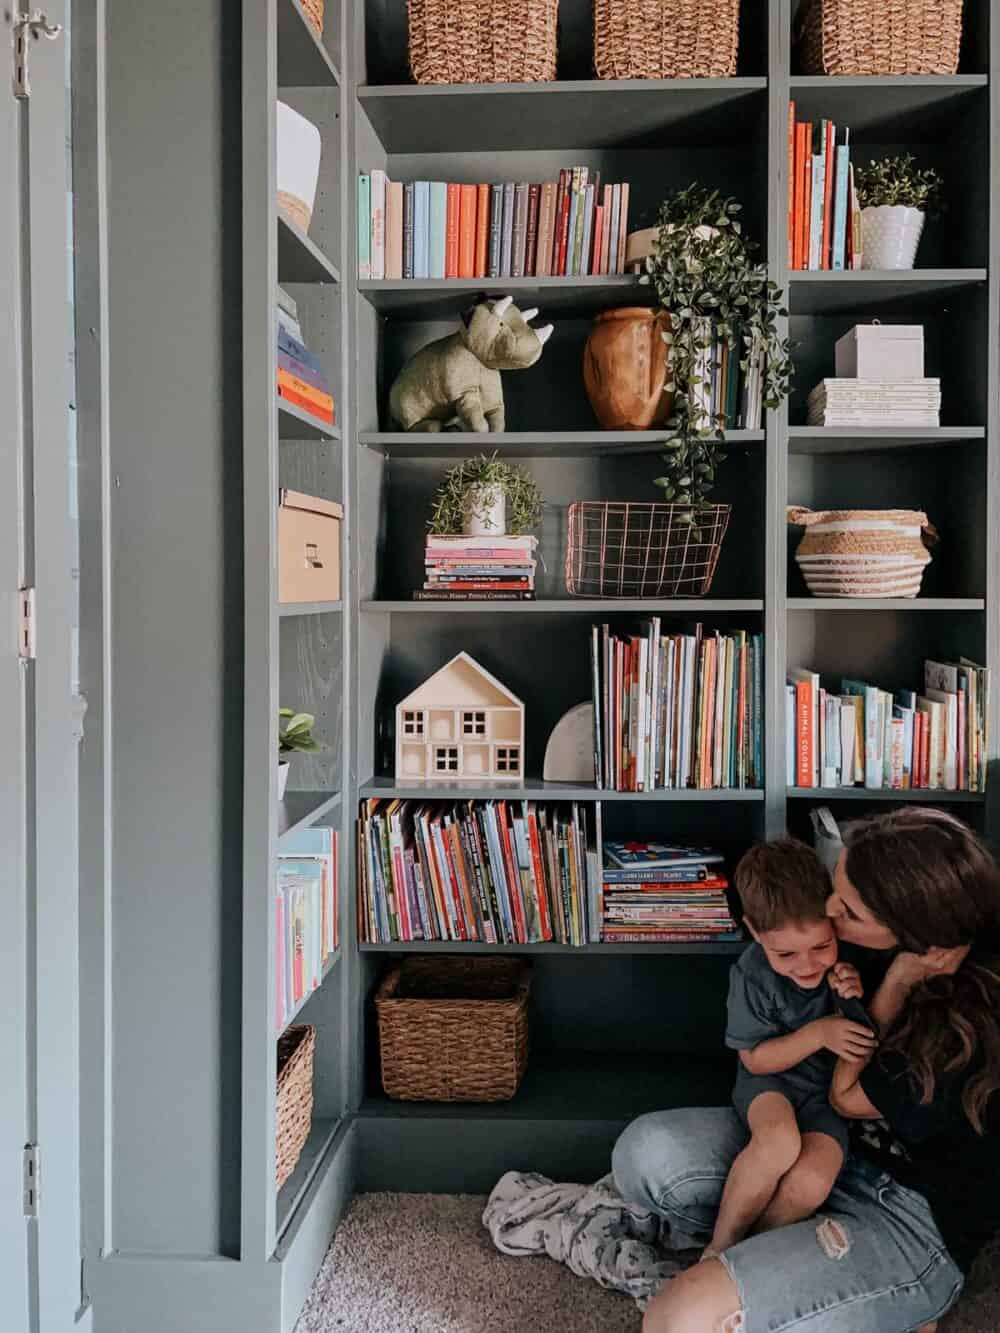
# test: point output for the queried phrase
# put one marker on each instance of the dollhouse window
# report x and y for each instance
(413, 724)
(508, 758)
(446, 759)
(474, 724)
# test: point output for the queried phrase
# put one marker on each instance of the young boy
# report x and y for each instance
(782, 1022)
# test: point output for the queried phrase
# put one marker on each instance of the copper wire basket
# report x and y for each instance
(619, 549)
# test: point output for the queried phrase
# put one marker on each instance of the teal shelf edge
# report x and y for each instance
(531, 444)
(293, 609)
(295, 423)
(680, 948)
(299, 809)
(300, 259)
(886, 604)
(919, 795)
(605, 606)
(328, 967)
(538, 790)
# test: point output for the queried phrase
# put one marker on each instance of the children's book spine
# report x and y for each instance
(438, 244)
(378, 224)
(520, 233)
(531, 236)
(409, 195)
(453, 224)
(467, 232)
(394, 231)
(421, 229)
(496, 230)
(507, 234)
(364, 226)
(482, 229)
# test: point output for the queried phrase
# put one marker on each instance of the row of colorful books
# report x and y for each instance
(866, 736)
(654, 892)
(461, 569)
(824, 217)
(497, 872)
(677, 710)
(301, 378)
(306, 918)
(510, 229)
(728, 383)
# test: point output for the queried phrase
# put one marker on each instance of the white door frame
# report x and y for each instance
(38, 787)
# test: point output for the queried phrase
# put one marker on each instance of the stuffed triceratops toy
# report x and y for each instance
(455, 381)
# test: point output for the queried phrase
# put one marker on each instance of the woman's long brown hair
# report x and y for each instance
(930, 879)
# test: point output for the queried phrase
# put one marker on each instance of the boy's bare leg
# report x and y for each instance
(774, 1147)
(807, 1185)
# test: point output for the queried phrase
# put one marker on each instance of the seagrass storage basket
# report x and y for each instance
(483, 41)
(296, 1048)
(880, 36)
(640, 549)
(863, 552)
(666, 39)
(454, 1029)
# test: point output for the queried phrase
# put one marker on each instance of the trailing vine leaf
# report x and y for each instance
(708, 283)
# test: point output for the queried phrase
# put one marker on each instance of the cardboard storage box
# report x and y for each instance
(881, 352)
(308, 548)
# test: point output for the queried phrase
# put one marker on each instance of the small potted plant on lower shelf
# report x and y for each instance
(486, 497)
(294, 736)
(895, 197)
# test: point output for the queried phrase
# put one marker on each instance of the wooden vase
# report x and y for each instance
(624, 369)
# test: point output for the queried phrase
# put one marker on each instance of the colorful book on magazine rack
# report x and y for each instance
(657, 855)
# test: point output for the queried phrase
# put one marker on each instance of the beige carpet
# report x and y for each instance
(423, 1263)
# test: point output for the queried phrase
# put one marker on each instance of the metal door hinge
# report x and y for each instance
(28, 27)
(32, 1180)
(26, 624)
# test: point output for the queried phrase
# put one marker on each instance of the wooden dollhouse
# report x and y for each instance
(460, 723)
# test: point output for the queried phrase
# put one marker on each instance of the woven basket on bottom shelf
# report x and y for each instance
(296, 1048)
(862, 552)
(483, 41)
(881, 36)
(454, 1029)
(666, 39)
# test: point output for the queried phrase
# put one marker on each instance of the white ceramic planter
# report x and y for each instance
(298, 155)
(283, 767)
(485, 512)
(890, 235)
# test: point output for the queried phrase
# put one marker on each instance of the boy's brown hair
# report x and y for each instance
(781, 881)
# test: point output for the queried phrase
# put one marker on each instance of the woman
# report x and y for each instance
(920, 1193)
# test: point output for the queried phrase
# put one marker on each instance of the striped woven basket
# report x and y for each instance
(880, 36)
(862, 552)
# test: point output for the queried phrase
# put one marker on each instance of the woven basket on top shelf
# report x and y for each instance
(880, 36)
(666, 39)
(296, 1048)
(862, 552)
(454, 1029)
(483, 41)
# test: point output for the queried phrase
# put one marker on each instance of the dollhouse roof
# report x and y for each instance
(461, 683)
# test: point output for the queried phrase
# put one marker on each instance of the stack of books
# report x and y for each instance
(301, 379)
(865, 402)
(652, 892)
(866, 736)
(824, 218)
(511, 229)
(496, 872)
(478, 569)
(306, 916)
(678, 710)
(728, 383)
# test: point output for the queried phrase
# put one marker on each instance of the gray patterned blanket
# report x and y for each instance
(590, 1228)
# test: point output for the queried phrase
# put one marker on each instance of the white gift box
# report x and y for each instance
(881, 352)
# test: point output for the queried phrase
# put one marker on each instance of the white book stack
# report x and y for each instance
(870, 402)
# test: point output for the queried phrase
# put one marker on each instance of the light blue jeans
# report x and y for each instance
(871, 1261)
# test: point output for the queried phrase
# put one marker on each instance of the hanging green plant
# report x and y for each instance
(485, 477)
(715, 293)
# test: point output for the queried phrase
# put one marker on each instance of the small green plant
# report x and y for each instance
(489, 471)
(296, 733)
(898, 181)
(711, 287)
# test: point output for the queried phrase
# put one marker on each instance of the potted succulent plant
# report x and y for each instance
(294, 736)
(485, 496)
(895, 196)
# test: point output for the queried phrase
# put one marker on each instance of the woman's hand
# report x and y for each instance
(845, 981)
(908, 970)
(850, 1041)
